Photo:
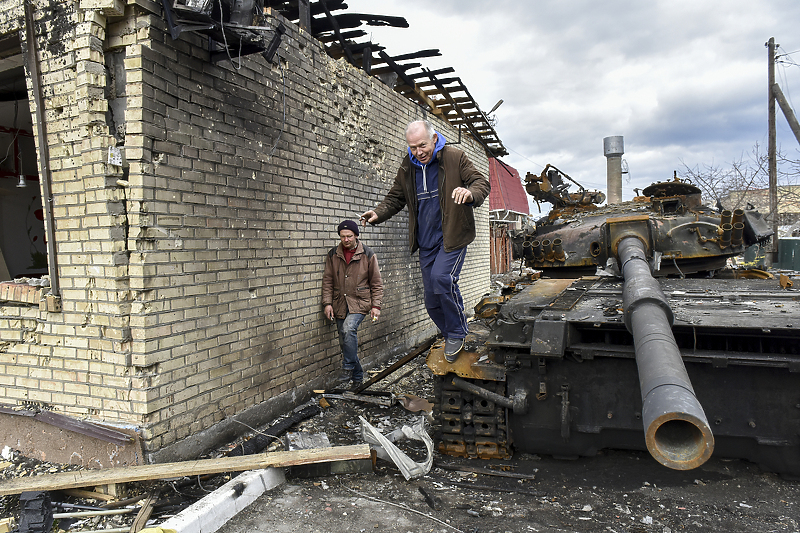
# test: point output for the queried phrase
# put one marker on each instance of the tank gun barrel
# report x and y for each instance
(676, 429)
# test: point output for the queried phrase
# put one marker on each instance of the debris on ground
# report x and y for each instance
(618, 491)
(386, 449)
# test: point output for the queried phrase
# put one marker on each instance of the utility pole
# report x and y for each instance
(771, 151)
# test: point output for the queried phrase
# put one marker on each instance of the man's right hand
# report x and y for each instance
(369, 216)
(328, 311)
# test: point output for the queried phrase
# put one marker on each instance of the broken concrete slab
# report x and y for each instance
(213, 511)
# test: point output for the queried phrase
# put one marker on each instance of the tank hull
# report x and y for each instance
(565, 344)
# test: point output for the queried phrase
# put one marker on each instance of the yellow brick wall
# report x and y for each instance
(191, 276)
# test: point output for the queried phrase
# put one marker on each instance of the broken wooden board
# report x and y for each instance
(91, 478)
(302, 440)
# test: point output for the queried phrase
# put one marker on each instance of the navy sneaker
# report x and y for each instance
(453, 347)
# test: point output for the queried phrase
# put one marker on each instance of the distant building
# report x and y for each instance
(508, 210)
(788, 202)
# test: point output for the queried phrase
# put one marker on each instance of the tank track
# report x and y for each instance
(469, 426)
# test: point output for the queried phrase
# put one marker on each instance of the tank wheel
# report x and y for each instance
(470, 426)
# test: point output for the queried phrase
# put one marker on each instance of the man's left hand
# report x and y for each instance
(375, 313)
(462, 195)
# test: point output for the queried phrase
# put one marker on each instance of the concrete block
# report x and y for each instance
(213, 511)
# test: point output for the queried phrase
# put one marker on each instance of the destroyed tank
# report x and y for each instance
(630, 334)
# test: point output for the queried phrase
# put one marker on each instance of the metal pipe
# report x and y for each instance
(84, 514)
(44, 151)
(538, 254)
(677, 433)
(725, 237)
(547, 248)
(725, 218)
(558, 251)
(692, 223)
(613, 149)
(518, 402)
(738, 216)
(738, 233)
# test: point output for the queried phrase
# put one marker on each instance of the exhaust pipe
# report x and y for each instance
(613, 149)
(725, 237)
(738, 234)
(538, 254)
(558, 251)
(547, 246)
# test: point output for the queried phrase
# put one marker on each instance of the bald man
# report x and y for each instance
(441, 187)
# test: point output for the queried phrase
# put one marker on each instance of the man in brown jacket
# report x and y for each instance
(351, 289)
(441, 188)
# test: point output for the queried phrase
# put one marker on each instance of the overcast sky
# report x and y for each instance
(681, 81)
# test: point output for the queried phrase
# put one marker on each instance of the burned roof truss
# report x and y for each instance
(238, 28)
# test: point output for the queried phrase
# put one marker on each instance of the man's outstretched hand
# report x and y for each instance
(462, 195)
(368, 216)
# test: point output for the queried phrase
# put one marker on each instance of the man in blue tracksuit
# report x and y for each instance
(441, 188)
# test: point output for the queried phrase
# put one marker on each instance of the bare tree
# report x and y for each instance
(746, 181)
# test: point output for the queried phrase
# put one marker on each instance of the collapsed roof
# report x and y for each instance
(238, 28)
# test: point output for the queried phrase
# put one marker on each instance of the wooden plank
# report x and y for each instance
(88, 494)
(414, 55)
(144, 513)
(347, 35)
(446, 70)
(91, 478)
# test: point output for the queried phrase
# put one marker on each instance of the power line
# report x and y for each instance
(525, 158)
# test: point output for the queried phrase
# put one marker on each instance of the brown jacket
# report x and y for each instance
(458, 220)
(355, 287)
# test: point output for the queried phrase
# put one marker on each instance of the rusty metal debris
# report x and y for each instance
(83, 427)
(385, 448)
(422, 348)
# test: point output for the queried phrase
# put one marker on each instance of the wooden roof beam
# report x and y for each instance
(446, 70)
(355, 34)
(410, 83)
(441, 83)
(415, 55)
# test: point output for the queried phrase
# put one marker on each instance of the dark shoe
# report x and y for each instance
(453, 347)
(345, 375)
(355, 385)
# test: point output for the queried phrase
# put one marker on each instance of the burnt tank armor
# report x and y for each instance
(633, 334)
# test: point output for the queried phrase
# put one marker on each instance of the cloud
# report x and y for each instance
(681, 80)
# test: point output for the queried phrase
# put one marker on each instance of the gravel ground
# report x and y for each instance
(615, 491)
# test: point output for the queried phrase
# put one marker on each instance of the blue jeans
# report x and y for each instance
(440, 273)
(348, 341)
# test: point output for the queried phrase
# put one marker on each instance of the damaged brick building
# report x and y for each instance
(193, 199)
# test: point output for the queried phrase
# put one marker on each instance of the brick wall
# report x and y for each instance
(191, 275)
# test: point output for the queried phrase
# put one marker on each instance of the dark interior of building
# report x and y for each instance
(22, 243)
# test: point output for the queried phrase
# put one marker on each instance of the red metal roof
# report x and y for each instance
(507, 192)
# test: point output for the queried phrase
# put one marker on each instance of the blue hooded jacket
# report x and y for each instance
(429, 212)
